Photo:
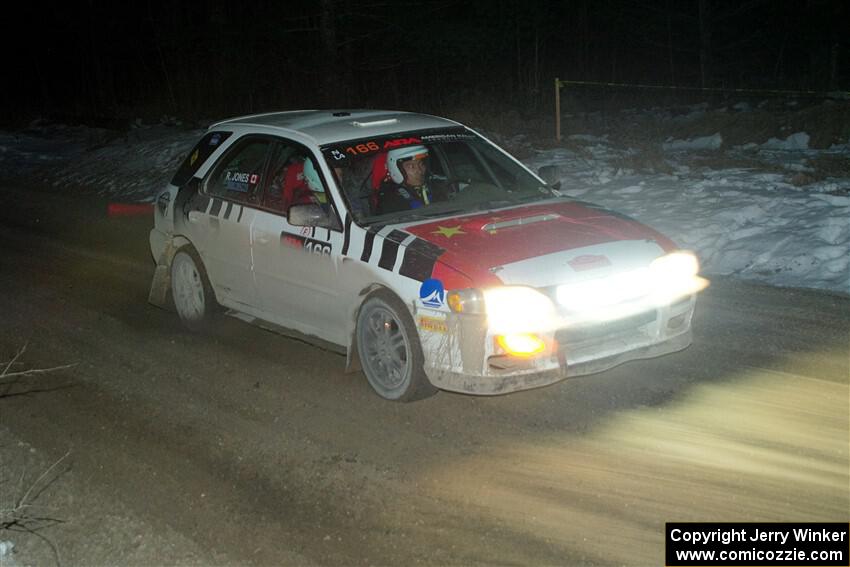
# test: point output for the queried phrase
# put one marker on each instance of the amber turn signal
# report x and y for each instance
(521, 344)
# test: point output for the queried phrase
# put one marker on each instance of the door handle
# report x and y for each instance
(262, 238)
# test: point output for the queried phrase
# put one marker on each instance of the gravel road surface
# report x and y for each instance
(244, 447)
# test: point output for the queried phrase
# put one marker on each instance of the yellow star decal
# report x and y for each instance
(448, 231)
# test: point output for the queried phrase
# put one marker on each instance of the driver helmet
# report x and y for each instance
(396, 157)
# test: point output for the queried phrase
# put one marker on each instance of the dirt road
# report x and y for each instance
(245, 447)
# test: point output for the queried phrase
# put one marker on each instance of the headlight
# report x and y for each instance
(662, 282)
(513, 309)
(509, 309)
(675, 275)
(676, 265)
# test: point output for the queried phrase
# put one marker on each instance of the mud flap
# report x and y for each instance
(161, 284)
(159, 287)
(352, 357)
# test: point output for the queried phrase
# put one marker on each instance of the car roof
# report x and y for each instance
(327, 126)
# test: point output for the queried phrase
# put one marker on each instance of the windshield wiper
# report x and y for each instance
(541, 193)
(468, 208)
(403, 217)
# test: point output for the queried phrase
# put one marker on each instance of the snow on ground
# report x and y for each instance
(741, 221)
(749, 211)
(130, 167)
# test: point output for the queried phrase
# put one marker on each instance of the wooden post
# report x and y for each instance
(557, 110)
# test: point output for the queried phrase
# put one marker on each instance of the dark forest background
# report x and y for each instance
(100, 61)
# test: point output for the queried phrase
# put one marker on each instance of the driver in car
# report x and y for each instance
(407, 187)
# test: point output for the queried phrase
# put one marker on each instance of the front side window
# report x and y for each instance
(240, 172)
(427, 173)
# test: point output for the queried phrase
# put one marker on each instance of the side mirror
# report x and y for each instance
(311, 215)
(551, 174)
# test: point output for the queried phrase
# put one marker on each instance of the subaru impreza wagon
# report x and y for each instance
(426, 254)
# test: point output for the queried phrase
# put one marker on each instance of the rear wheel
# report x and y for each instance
(193, 296)
(389, 349)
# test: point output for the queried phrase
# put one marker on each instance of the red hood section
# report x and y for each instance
(473, 249)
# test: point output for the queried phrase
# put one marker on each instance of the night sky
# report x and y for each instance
(103, 62)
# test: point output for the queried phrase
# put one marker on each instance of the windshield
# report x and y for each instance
(427, 173)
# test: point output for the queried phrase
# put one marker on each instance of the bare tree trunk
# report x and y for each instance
(705, 42)
(46, 99)
(348, 59)
(834, 55)
(779, 67)
(670, 43)
(615, 46)
(96, 87)
(584, 47)
(163, 67)
(327, 31)
(518, 91)
(536, 77)
(222, 59)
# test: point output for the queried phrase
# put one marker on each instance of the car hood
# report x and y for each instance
(541, 244)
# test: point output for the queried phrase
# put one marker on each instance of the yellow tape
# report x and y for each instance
(433, 324)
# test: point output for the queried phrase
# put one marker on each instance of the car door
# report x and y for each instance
(233, 188)
(296, 267)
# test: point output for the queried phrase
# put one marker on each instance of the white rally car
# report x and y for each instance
(426, 253)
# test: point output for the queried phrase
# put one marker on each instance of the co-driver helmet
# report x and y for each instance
(311, 176)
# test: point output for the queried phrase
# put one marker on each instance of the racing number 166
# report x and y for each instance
(317, 248)
(363, 148)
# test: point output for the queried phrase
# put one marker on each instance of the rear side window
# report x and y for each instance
(240, 172)
(199, 154)
(293, 179)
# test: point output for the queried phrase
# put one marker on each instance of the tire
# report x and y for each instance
(191, 291)
(390, 351)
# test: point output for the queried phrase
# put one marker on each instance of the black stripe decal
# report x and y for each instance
(367, 246)
(389, 251)
(419, 259)
(241, 210)
(228, 210)
(216, 207)
(347, 240)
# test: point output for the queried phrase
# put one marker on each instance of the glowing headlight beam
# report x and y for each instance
(515, 309)
(665, 280)
(679, 264)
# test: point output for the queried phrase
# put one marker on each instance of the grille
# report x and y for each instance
(606, 330)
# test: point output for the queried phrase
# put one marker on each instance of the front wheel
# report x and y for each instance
(190, 288)
(389, 349)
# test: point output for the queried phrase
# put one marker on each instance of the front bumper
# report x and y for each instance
(491, 385)
(464, 359)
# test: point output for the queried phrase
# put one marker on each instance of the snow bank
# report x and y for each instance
(740, 221)
(798, 141)
(696, 144)
(132, 166)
